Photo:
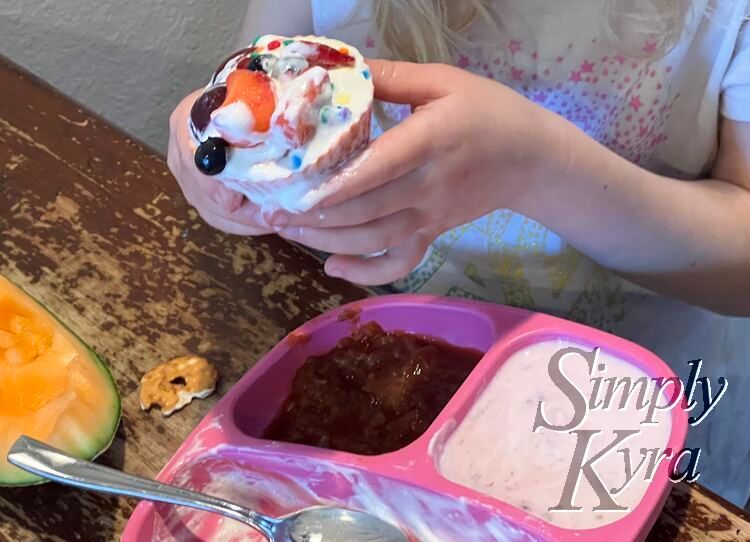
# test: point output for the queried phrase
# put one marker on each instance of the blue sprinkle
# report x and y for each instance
(296, 161)
(366, 74)
(343, 113)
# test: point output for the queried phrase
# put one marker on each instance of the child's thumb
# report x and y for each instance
(407, 82)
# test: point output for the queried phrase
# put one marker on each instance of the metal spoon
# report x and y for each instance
(319, 524)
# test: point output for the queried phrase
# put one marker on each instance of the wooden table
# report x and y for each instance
(92, 223)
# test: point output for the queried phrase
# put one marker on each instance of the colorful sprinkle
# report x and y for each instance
(342, 98)
(287, 42)
(344, 50)
(366, 74)
(343, 114)
(336, 115)
(296, 161)
(275, 44)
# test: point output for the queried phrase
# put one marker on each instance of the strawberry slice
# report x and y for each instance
(326, 57)
(254, 90)
(299, 106)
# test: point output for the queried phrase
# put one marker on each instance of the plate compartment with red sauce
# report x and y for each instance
(227, 453)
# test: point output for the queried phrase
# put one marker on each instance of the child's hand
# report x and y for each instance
(218, 206)
(471, 146)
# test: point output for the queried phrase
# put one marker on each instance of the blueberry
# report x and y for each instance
(211, 156)
(262, 63)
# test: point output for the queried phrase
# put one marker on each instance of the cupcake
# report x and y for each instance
(279, 117)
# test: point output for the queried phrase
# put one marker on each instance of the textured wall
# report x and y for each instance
(129, 60)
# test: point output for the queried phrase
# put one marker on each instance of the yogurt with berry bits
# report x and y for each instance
(280, 116)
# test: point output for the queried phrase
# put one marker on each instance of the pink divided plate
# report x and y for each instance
(225, 455)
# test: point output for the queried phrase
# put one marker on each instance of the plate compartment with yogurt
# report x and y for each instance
(474, 472)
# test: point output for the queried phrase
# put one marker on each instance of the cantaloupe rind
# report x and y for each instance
(79, 415)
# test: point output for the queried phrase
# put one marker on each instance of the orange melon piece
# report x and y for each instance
(52, 386)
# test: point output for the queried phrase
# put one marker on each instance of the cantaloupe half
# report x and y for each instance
(52, 386)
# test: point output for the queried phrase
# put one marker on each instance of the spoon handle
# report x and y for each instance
(53, 464)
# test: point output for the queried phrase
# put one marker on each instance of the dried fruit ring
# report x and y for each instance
(174, 384)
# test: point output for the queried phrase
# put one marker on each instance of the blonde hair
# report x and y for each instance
(426, 30)
(433, 30)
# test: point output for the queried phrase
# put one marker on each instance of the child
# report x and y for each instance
(598, 120)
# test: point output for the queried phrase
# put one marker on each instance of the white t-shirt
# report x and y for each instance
(661, 113)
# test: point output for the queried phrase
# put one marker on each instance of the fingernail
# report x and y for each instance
(234, 202)
(334, 272)
(277, 220)
(290, 232)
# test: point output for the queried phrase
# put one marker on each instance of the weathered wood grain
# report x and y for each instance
(693, 513)
(92, 224)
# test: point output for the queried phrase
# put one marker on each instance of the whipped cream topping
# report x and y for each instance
(276, 484)
(316, 89)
